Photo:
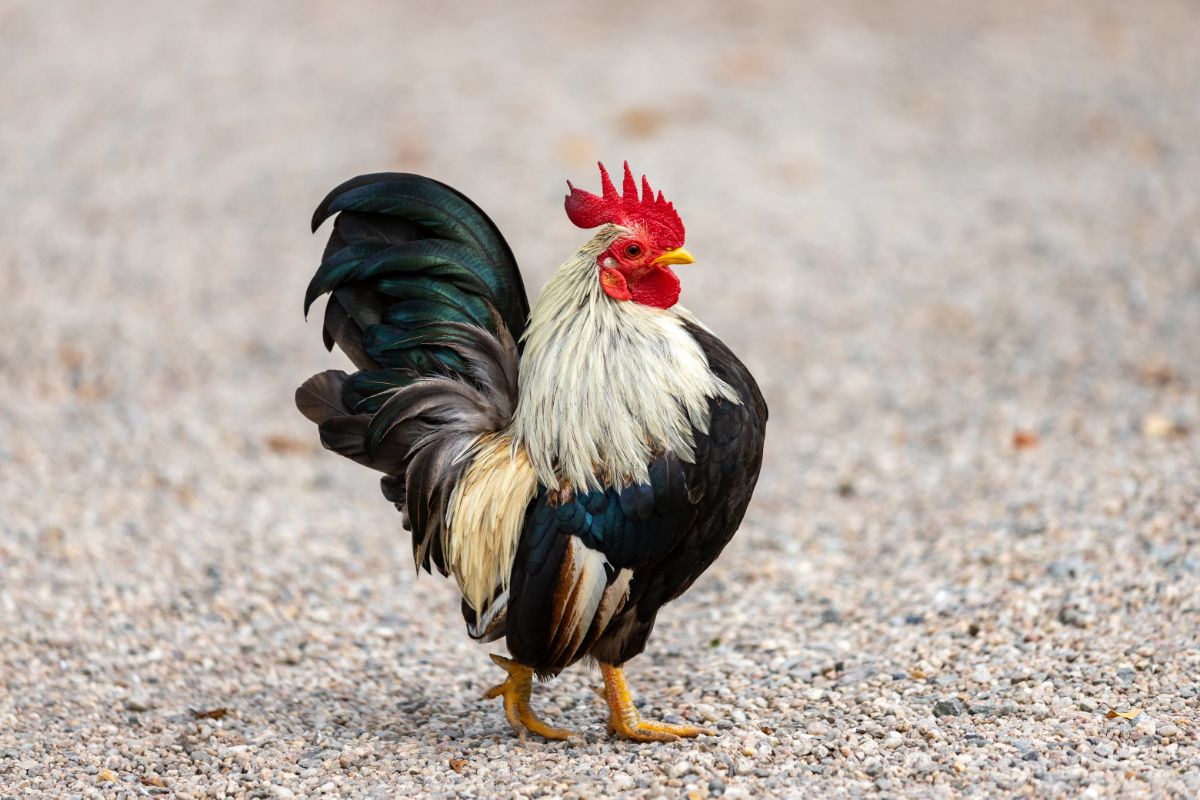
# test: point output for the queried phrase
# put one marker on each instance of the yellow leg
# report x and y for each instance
(516, 690)
(625, 721)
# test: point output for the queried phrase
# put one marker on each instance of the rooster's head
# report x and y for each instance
(637, 265)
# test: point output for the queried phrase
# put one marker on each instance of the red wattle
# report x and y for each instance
(658, 288)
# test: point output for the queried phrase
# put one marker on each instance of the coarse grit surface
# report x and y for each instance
(959, 245)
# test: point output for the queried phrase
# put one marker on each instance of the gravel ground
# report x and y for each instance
(959, 245)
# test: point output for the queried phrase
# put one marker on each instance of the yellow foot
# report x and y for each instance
(516, 691)
(625, 721)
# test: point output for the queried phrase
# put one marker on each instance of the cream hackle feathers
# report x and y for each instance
(606, 384)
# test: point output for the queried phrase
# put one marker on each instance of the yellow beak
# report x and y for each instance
(676, 256)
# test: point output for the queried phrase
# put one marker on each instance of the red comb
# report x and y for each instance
(655, 214)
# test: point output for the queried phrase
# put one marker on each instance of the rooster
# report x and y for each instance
(574, 467)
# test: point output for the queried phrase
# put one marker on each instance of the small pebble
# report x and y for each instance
(947, 708)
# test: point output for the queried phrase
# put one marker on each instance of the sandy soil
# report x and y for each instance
(960, 247)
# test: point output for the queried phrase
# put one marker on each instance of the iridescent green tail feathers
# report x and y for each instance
(426, 300)
(407, 251)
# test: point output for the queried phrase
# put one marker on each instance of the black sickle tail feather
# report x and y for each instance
(428, 303)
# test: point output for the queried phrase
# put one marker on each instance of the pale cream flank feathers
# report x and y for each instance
(485, 517)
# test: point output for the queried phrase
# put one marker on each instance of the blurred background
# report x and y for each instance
(958, 244)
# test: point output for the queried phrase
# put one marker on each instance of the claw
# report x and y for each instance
(516, 690)
(625, 721)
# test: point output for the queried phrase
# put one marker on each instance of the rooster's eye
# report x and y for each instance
(633, 250)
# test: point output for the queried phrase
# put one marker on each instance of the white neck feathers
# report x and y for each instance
(605, 385)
